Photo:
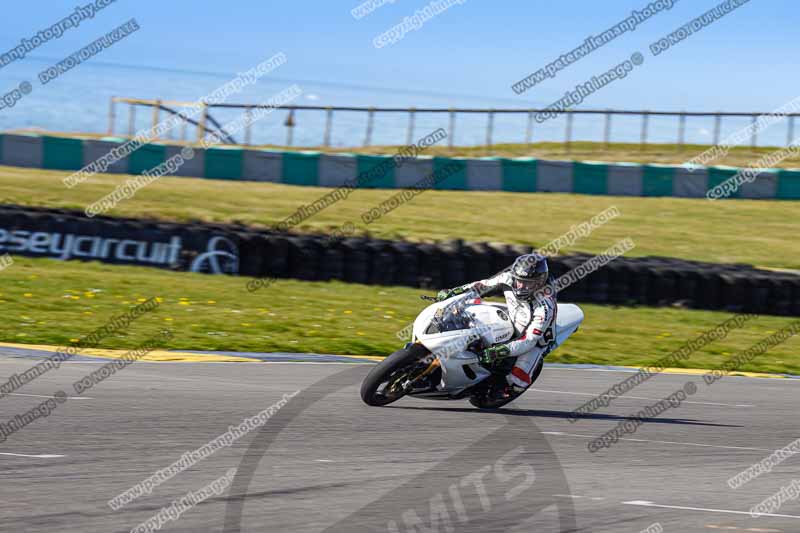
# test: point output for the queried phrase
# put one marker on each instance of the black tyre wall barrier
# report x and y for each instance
(235, 248)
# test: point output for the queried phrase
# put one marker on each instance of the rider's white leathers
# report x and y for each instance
(532, 324)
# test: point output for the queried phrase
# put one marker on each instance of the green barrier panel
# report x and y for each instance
(146, 158)
(380, 178)
(590, 178)
(657, 181)
(519, 175)
(717, 175)
(224, 163)
(788, 185)
(300, 169)
(60, 153)
(454, 169)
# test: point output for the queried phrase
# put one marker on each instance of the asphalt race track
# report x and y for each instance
(327, 462)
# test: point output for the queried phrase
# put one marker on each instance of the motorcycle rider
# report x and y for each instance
(531, 299)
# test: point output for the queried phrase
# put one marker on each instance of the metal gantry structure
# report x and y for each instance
(206, 123)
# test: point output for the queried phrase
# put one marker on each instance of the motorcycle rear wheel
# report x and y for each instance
(486, 400)
(377, 388)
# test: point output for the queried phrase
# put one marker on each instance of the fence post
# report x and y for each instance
(717, 128)
(410, 132)
(754, 134)
(790, 135)
(568, 133)
(201, 128)
(529, 130)
(645, 121)
(607, 134)
(248, 132)
(131, 120)
(489, 129)
(289, 127)
(452, 132)
(370, 124)
(112, 115)
(681, 130)
(326, 141)
(156, 113)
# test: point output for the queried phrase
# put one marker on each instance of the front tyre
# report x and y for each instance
(384, 384)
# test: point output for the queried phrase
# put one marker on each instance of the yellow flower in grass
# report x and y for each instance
(183, 303)
(348, 312)
(212, 302)
(360, 333)
(159, 299)
(28, 295)
(167, 319)
(141, 299)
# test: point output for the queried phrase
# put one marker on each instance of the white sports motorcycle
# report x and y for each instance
(441, 362)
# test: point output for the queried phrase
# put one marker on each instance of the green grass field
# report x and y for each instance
(735, 231)
(50, 302)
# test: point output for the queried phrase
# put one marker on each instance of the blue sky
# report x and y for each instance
(742, 62)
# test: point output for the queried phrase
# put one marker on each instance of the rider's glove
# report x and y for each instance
(449, 293)
(494, 353)
(442, 295)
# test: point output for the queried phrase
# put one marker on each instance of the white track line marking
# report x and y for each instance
(43, 396)
(559, 433)
(644, 398)
(42, 456)
(641, 503)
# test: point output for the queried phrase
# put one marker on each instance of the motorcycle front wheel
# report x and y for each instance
(384, 384)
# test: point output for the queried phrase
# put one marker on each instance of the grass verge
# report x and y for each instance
(49, 302)
(734, 231)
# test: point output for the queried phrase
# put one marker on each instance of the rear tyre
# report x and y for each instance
(380, 387)
(487, 399)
